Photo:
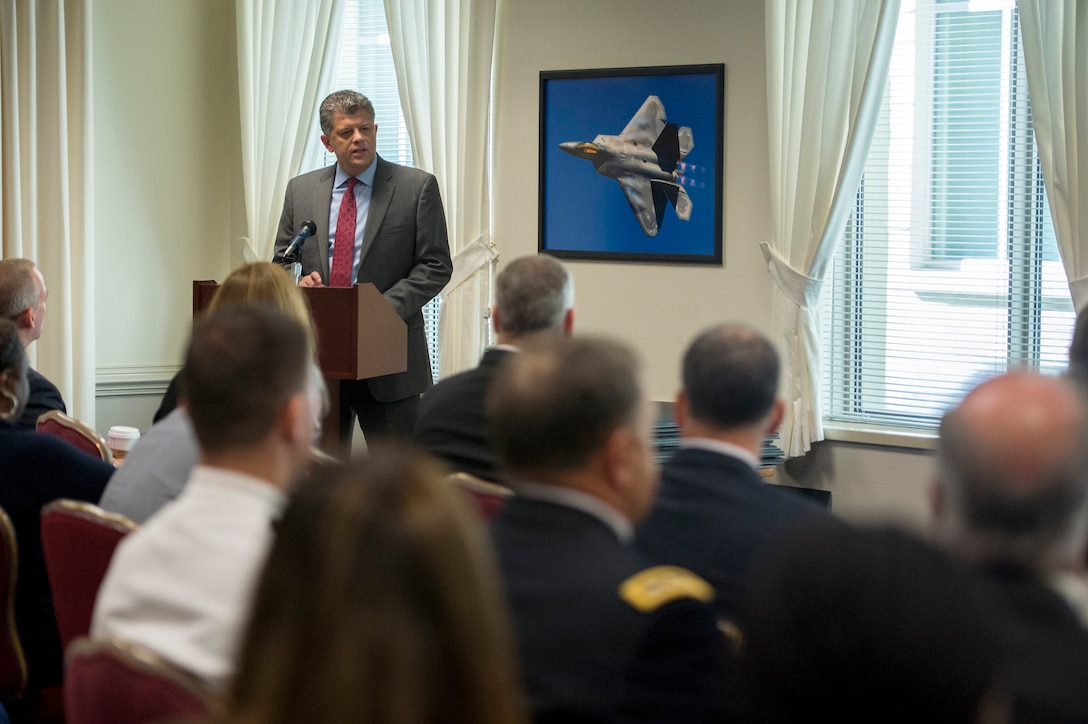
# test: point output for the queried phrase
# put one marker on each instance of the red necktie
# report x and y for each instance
(343, 249)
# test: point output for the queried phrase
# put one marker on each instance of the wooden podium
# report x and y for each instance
(359, 336)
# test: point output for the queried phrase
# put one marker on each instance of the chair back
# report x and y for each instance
(112, 682)
(78, 540)
(13, 670)
(74, 432)
(489, 498)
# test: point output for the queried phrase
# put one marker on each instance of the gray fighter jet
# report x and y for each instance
(643, 159)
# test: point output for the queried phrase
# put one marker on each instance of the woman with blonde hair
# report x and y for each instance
(255, 283)
(379, 603)
(155, 471)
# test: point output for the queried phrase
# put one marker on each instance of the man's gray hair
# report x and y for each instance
(533, 294)
(18, 288)
(345, 102)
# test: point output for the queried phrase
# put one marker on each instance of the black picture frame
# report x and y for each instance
(615, 189)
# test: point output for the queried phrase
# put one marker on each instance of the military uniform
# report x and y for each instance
(602, 636)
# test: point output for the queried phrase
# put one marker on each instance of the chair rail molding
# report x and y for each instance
(133, 380)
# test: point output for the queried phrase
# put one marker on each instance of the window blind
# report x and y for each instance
(365, 64)
(948, 272)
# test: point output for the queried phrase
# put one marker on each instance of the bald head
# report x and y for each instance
(1013, 471)
(22, 297)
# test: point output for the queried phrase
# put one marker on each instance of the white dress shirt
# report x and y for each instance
(183, 584)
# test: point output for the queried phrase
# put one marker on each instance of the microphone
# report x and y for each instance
(305, 231)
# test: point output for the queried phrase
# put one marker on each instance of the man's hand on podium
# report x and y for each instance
(313, 279)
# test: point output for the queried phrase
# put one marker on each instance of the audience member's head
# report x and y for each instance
(533, 294)
(572, 412)
(380, 603)
(263, 283)
(847, 625)
(1012, 478)
(730, 375)
(345, 103)
(13, 384)
(22, 297)
(246, 378)
(1078, 349)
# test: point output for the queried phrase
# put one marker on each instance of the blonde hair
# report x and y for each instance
(380, 603)
(263, 283)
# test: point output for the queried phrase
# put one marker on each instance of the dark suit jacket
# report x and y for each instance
(587, 654)
(38, 469)
(714, 515)
(452, 422)
(43, 397)
(405, 252)
(1045, 661)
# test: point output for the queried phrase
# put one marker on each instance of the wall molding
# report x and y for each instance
(133, 380)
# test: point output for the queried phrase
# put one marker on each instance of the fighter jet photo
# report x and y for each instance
(643, 158)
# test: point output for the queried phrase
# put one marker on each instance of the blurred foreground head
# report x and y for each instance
(1012, 478)
(380, 603)
(572, 412)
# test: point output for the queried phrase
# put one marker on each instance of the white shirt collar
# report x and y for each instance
(584, 502)
(722, 448)
(248, 485)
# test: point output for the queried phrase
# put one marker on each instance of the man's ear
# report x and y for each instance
(495, 322)
(938, 504)
(26, 318)
(568, 322)
(680, 409)
(325, 141)
(778, 409)
(295, 420)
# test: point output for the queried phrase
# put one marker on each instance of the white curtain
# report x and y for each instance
(442, 50)
(827, 65)
(1055, 34)
(286, 63)
(45, 179)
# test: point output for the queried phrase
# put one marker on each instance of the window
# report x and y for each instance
(365, 64)
(948, 271)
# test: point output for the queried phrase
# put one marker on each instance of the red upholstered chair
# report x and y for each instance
(75, 432)
(111, 682)
(13, 671)
(489, 498)
(78, 540)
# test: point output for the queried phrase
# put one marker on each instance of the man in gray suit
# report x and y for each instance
(391, 229)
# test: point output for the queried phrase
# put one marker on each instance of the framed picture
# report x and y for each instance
(631, 163)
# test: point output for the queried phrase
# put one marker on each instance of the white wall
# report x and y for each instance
(658, 307)
(167, 186)
(169, 206)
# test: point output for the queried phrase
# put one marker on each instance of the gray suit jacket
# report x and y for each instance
(405, 253)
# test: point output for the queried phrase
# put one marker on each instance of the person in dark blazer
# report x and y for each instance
(603, 635)
(37, 469)
(714, 514)
(22, 300)
(534, 296)
(394, 230)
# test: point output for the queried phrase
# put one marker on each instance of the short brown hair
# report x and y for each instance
(380, 603)
(242, 366)
(554, 405)
(346, 102)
